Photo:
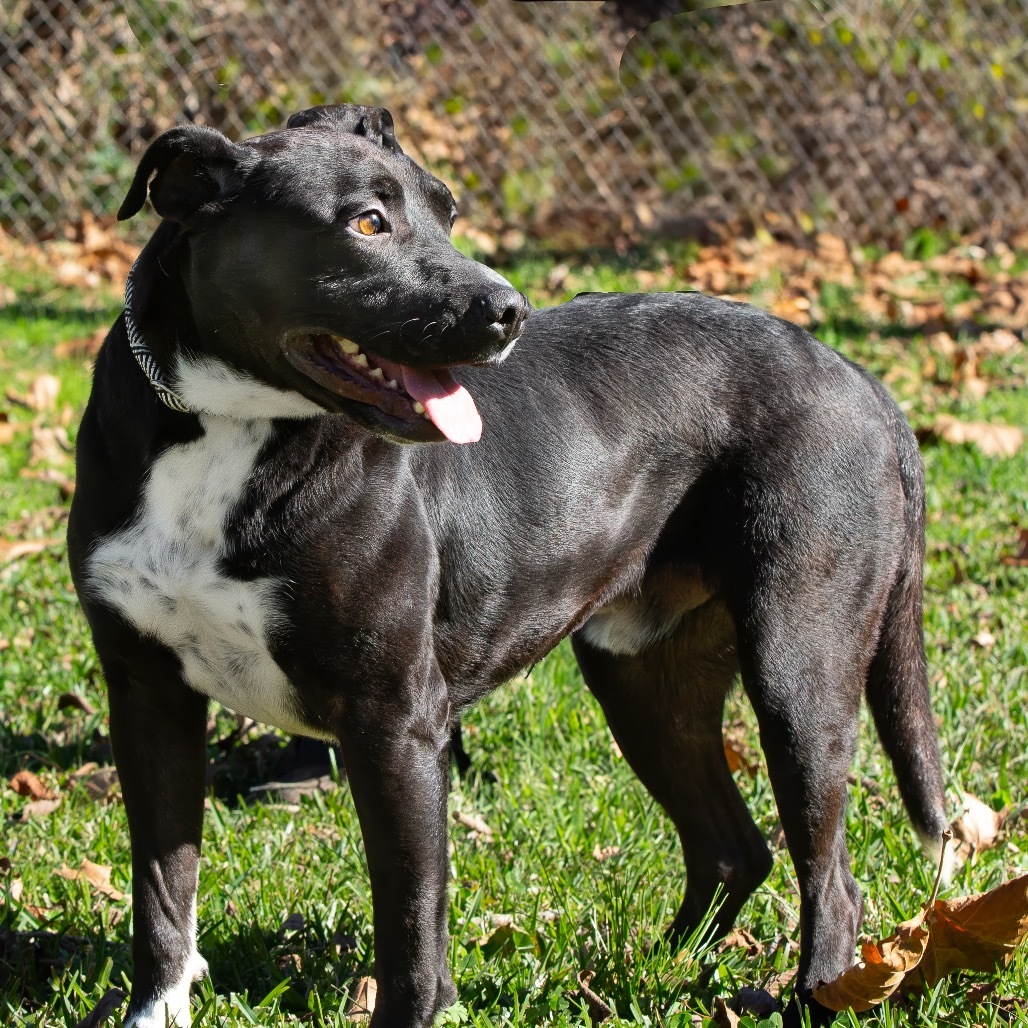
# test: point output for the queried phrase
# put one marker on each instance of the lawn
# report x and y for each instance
(572, 869)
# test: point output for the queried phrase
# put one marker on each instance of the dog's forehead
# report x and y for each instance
(330, 157)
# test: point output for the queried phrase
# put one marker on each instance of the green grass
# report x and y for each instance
(561, 791)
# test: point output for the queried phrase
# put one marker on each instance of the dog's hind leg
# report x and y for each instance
(665, 708)
(804, 649)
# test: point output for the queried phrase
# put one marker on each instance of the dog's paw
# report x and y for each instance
(160, 1014)
(172, 1007)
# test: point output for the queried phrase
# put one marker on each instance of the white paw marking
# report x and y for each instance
(162, 573)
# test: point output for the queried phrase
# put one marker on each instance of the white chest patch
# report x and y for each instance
(162, 573)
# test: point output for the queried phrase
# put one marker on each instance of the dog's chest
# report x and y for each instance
(164, 574)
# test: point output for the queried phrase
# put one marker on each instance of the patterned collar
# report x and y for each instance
(144, 357)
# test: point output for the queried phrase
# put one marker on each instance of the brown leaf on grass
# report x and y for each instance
(42, 394)
(994, 440)
(740, 758)
(15, 890)
(602, 853)
(69, 700)
(977, 827)
(14, 549)
(973, 933)
(881, 971)
(99, 783)
(723, 1015)
(504, 938)
(363, 1003)
(8, 430)
(109, 1002)
(475, 824)
(26, 783)
(1020, 558)
(739, 938)
(599, 1009)
(976, 933)
(88, 345)
(38, 808)
(98, 876)
(50, 445)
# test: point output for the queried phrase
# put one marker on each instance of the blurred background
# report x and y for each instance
(874, 117)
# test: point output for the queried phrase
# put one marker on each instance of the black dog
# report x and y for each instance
(689, 487)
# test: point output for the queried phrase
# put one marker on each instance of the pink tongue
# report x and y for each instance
(448, 403)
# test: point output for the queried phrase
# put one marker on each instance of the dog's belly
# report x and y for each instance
(630, 624)
(163, 574)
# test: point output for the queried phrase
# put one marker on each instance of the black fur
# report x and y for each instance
(713, 478)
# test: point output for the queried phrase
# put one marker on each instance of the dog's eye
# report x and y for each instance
(370, 223)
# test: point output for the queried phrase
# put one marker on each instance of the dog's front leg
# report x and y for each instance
(158, 736)
(396, 746)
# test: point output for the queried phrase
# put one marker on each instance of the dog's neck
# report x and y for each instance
(206, 385)
(144, 357)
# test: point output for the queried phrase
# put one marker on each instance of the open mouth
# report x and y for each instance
(409, 395)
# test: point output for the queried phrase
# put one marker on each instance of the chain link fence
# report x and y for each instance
(873, 117)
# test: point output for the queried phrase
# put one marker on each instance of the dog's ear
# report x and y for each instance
(194, 166)
(375, 123)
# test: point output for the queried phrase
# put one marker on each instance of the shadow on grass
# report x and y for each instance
(243, 958)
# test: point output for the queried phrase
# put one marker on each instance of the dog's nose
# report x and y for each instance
(501, 311)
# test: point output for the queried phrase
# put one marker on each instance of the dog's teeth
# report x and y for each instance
(376, 373)
(360, 360)
(419, 407)
(348, 346)
(391, 384)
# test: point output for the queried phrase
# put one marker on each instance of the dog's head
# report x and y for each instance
(317, 259)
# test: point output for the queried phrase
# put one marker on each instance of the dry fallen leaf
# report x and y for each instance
(739, 938)
(994, 440)
(984, 638)
(14, 549)
(8, 430)
(881, 971)
(475, 823)
(96, 875)
(42, 394)
(73, 699)
(976, 933)
(602, 853)
(723, 1015)
(363, 1003)
(38, 808)
(50, 446)
(89, 345)
(599, 1009)
(976, 828)
(26, 783)
(109, 1002)
(1019, 559)
(99, 783)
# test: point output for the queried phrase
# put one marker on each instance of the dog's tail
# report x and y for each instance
(897, 686)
